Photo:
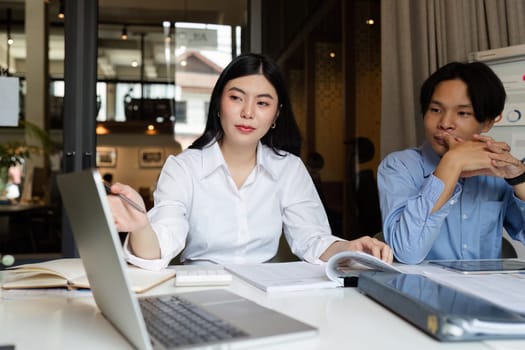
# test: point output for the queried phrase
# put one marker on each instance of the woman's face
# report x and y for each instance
(451, 112)
(248, 109)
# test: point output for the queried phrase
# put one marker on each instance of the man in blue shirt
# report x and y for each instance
(451, 197)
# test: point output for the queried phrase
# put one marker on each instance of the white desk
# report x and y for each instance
(345, 318)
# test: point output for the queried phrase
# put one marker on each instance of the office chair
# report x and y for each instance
(507, 250)
(367, 194)
(284, 253)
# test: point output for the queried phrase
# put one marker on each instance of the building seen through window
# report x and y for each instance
(174, 82)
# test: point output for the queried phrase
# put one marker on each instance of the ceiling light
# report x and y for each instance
(101, 130)
(150, 130)
(61, 13)
(370, 22)
(134, 63)
(9, 38)
(124, 34)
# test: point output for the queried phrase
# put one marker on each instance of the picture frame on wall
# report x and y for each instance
(152, 157)
(106, 157)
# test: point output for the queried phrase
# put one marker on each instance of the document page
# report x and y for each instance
(505, 290)
(290, 276)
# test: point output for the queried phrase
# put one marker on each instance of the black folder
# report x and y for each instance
(441, 311)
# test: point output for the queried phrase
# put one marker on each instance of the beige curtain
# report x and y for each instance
(418, 36)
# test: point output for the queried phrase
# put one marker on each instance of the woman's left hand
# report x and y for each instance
(373, 247)
(364, 244)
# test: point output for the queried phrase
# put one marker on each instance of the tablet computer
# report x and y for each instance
(483, 265)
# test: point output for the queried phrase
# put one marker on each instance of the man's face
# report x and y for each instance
(451, 112)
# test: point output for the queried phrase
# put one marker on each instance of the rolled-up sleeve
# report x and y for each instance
(407, 200)
(168, 216)
(304, 218)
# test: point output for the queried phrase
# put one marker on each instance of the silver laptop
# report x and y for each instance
(86, 205)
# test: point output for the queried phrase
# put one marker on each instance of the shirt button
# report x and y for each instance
(464, 216)
(452, 201)
(464, 246)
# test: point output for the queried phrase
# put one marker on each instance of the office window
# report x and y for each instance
(201, 53)
(180, 112)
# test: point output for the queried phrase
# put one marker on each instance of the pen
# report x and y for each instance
(124, 198)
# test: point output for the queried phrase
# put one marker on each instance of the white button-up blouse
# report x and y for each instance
(199, 210)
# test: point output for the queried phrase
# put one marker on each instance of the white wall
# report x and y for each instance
(128, 146)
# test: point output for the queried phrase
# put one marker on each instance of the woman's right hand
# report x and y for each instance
(126, 217)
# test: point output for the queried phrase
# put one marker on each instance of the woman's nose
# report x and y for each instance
(247, 112)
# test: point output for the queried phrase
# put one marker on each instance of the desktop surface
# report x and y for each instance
(346, 320)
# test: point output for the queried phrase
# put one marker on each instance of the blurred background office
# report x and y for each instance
(121, 85)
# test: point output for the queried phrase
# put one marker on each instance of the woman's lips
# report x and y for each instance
(244, 128)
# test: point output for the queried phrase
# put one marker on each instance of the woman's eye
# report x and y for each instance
(434, 110)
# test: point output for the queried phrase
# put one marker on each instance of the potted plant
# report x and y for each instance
(15, 153)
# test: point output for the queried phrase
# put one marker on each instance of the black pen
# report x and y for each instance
(124, 198)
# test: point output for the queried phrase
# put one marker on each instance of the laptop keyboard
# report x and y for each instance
(175, 321)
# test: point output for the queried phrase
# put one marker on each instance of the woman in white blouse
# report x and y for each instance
(229, 197)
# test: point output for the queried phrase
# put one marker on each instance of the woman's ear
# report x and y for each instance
(278, 112)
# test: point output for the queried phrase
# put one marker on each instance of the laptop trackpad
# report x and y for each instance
(245, 314)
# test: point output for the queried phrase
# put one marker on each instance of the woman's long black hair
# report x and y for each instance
(285, 136)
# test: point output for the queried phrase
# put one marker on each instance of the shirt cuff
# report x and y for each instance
(434, 188)
(148, 264)
(313, 257)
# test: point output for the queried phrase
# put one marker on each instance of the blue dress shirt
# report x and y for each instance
(468, 226)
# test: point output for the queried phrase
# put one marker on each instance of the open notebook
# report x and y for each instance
(229, 318)
(69, 273)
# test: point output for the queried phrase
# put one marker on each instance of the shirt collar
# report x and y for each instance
(430, 158)
(265, 159)
(212, 159)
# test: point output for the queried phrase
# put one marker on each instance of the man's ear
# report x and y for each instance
(488, 124)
